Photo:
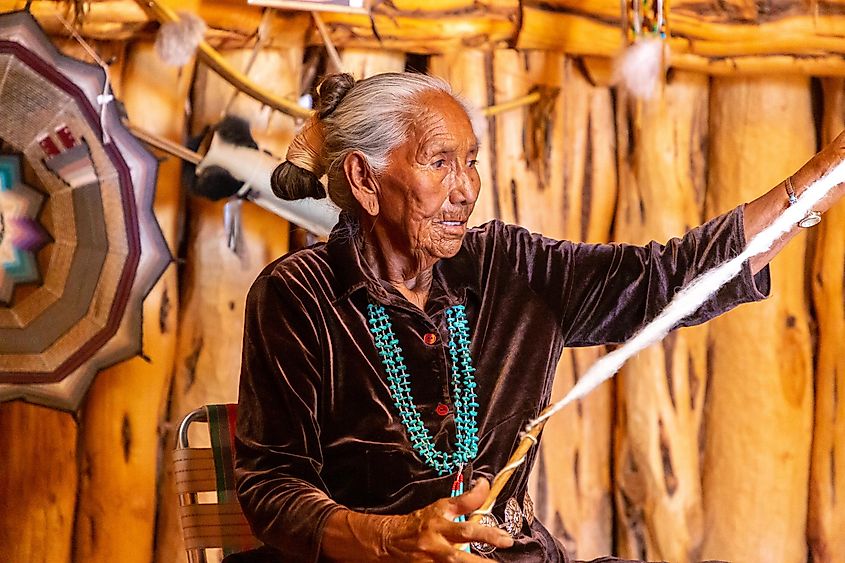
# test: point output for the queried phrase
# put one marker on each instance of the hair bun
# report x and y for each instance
(331, 91)
(290, 182)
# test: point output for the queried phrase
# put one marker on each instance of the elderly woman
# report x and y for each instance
(387, 367)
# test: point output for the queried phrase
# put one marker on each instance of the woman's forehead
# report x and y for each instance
(441, 120)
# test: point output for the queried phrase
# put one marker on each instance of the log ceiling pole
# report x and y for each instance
(726, 37)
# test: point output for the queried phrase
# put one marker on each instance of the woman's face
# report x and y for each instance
(430, 186)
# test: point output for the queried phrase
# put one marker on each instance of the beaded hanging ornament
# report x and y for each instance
(642, 64)
(463, 392)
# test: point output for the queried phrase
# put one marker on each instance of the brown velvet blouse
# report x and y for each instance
(317, 428)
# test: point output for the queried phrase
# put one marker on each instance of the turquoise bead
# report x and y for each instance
(463, 389)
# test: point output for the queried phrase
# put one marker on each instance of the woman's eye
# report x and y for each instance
(440, 163)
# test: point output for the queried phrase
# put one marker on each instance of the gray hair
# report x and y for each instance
(374, 117)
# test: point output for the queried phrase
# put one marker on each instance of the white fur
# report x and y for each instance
(640, 67)
(177, 42)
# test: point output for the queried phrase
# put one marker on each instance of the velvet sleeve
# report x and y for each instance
(603, 293)
(278, 454)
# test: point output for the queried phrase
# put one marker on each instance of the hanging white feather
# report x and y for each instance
(639, 69)
(177, 42)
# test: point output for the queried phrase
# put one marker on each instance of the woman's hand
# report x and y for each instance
(760, 213)
(427, 534)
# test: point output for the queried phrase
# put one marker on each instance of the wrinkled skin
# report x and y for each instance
(431, 533)
(416, 211)
(427, 534)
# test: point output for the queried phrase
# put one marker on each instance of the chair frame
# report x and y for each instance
(218, 524)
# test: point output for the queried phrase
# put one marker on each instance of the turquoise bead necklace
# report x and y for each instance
(463, 391)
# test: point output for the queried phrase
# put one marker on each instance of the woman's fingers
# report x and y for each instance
(439, 549)
(469, 501)
(466, 532)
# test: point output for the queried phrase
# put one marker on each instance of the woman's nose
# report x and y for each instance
(465, 190)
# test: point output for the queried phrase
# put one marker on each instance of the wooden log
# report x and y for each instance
(758, 416)
(39, 483)
(438, 26)
(519, 196)
(725, 38)
(362, 63)
(470, 72)
(554, 173)
(827, 474)
(718, 30)
(120, 425)
(573, 469)
(660, 398)
(216, 279)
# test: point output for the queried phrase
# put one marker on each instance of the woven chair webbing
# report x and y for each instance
(211, 470)
(216, 525)
(194, 470)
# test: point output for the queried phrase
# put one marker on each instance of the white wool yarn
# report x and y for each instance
(177, 42)
(640, 67)
(696, 293)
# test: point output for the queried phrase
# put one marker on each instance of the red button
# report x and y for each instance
(442, 409)
(430, 338)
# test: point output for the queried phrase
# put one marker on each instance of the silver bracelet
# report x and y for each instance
(812, 218)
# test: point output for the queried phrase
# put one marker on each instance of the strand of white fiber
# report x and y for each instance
(695, 294)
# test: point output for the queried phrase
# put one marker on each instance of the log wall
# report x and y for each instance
(726, 441)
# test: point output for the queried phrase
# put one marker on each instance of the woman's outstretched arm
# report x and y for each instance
(760, 213)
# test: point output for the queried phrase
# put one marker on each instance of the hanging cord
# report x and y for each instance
(327, 41)
(263, 35)
(684, 303)
(106, 96)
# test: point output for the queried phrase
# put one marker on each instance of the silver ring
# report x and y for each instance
(811, 219)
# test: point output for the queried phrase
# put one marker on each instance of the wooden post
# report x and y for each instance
(215, 279)
(758, 418)
(560, 182)
(661, 147)
(362, 63)
(120, 425)
(827, 475)
(39, 483)
(572, 478)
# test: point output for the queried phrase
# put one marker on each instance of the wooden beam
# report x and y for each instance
(432, 27)
(729, 37)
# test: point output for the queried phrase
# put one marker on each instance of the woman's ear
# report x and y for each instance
(362, 182)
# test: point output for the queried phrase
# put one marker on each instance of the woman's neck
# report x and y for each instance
(410, 274)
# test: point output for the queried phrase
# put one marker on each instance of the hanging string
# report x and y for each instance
(106, 96)
(685, 302)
